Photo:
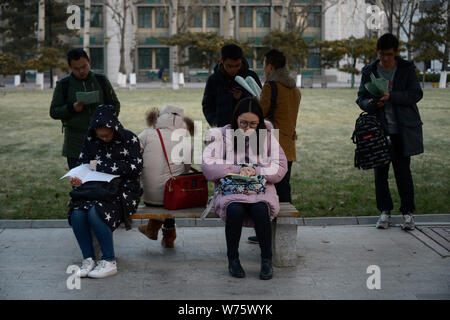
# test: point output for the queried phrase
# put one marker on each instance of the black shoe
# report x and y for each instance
(266, 269)
(235, 268)
(253, 239)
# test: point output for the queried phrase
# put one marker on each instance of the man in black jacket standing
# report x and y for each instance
(397, 110)
(222, 93)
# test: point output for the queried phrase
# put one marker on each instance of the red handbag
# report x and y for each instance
(187, 190)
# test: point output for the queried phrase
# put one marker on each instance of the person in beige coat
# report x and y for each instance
(280, 102)
(156, 171)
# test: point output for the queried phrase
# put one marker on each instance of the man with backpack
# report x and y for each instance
(398, 113)
(280, 102)
(76, 115)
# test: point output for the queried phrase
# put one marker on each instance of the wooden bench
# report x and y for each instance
(284, 228)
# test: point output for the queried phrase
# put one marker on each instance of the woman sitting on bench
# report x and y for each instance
(156, 171)
(239, 204)
(108, 148)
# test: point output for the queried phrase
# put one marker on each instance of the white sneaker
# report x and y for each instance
(384, 221)
(86, 266)
(408, 222)
(103, 269)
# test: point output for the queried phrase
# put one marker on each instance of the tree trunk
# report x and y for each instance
(122, 66)
(87, 26)
(447, 44)
(41, 23)
(231, 18)
(134, 40)
(173, 31)
(284, 14)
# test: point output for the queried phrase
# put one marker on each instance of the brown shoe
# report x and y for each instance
(169, 236)
(151, 229)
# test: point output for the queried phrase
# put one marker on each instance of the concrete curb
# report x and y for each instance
(216, 222)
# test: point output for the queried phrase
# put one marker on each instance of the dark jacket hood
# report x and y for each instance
(105, 116)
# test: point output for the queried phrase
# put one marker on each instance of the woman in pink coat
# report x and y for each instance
(262, 155)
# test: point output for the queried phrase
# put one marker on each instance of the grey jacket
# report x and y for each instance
(406, 92)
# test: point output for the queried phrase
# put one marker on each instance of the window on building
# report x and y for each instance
(144, 17)
(145, 58)
(314, 18)
(260, 57)
(212, 17)
(263, 17)
(246, 17)
(193, 53)
(313, 61)
(161, 18)
(162, 58)
(96, 16)
(197, 19)
(96, 58)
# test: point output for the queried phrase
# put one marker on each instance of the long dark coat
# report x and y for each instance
(406, 92)
(122, 156)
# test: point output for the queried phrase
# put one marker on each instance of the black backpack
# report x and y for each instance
(372, 145)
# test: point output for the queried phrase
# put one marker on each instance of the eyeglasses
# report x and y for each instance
(245, 124)
(389, 55)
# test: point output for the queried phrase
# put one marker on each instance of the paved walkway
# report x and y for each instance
(332, 264)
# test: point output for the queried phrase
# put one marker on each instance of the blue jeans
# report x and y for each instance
(81, 221)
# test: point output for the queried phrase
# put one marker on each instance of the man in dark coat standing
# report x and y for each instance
(222, 93)
(397, 110)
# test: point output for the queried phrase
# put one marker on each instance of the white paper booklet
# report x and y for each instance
(250, 85)
(85, 174)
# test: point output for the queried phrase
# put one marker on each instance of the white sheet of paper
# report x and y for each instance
(85, 174)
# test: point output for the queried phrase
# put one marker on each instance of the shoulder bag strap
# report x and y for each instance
(164, 149)
(273, 100)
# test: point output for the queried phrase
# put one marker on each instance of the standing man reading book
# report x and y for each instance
(222, 92)
(397, 111)
(75, 99)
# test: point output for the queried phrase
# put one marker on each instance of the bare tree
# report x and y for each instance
(284, 14)
(87, 25)
(119, 9)
(231, 19)
(41, 23)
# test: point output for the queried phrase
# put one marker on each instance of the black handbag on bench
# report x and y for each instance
(97, 190)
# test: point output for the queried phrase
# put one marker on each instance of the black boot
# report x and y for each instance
(266, 269)
(235, 268)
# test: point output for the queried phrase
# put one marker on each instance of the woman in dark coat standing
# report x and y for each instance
(108, 148)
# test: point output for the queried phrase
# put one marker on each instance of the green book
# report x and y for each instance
(377, 86)
(88, 97)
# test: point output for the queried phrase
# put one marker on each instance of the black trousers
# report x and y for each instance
(403, 178)
(259, 212)
(284, 186)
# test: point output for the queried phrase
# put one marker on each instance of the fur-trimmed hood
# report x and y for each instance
(282, 76)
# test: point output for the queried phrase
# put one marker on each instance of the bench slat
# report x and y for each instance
(144, 212)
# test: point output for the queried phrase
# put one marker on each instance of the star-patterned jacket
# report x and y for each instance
(122, 156)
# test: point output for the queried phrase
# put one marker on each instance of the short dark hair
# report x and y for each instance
(276, 58)
(231, 51)
(76, 54)
(387, 41)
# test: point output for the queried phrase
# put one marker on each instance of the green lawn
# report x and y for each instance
(324, 180)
